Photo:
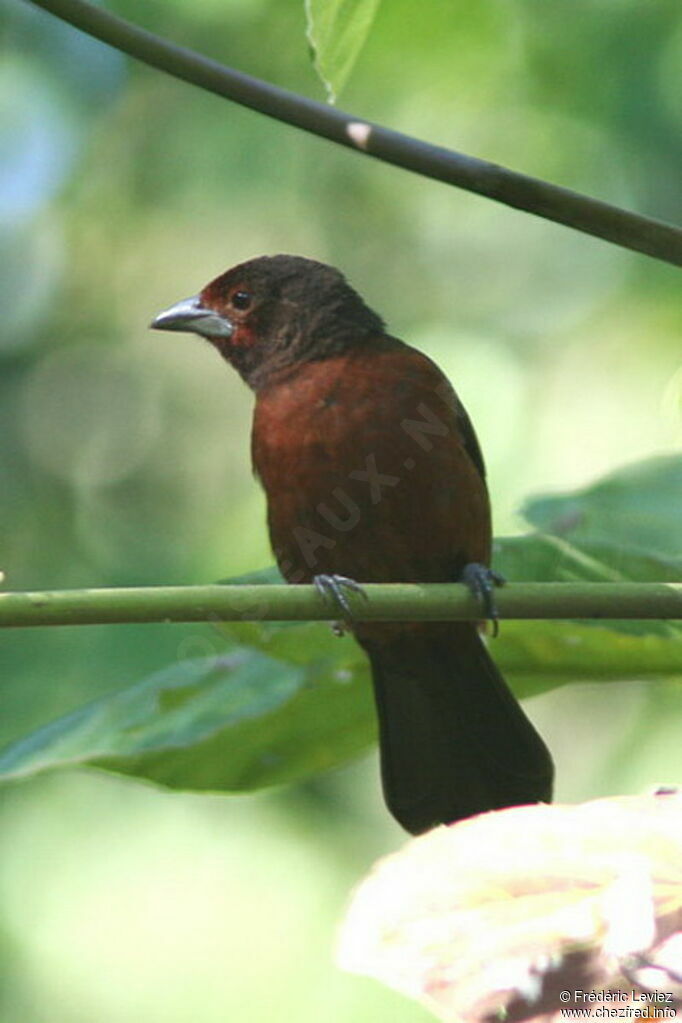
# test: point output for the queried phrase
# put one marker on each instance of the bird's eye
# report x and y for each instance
(241, 300)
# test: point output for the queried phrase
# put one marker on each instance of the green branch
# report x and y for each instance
(396, 602)
(591, 216)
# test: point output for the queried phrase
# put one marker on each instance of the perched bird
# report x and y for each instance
(373, 474)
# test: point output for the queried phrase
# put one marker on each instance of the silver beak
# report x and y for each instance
(192, 316)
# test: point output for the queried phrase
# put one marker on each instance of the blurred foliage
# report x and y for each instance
(336, 31)
(637, 505)
(124, 454)
(240, 721)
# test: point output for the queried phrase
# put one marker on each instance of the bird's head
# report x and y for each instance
(274, 312)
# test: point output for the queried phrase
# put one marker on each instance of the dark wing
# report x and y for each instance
(470, 439)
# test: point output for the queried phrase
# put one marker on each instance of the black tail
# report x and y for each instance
(454, 740)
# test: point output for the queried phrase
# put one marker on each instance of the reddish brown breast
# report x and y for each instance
(371, 470)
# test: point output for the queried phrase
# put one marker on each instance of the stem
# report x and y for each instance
(591, 216)
(395, 602)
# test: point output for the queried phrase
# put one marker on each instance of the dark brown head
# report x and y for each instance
(274, 312)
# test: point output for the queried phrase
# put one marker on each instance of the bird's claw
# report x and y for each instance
(332, 587)
(481, 582)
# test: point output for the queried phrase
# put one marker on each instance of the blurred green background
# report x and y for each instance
(124, 454)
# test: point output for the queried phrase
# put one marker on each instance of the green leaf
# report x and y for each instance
(237, 722)
(541, 557)
(336, 31)
(536, 657)
(638, 506)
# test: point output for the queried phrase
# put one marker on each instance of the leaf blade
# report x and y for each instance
(637, 504)
(232, 723)
(336, 31)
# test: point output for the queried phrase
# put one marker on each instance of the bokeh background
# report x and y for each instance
(124, 454)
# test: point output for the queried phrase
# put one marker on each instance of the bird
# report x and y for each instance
(373, 474)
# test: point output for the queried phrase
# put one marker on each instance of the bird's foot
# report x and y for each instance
(332, 587)
(481, 582)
